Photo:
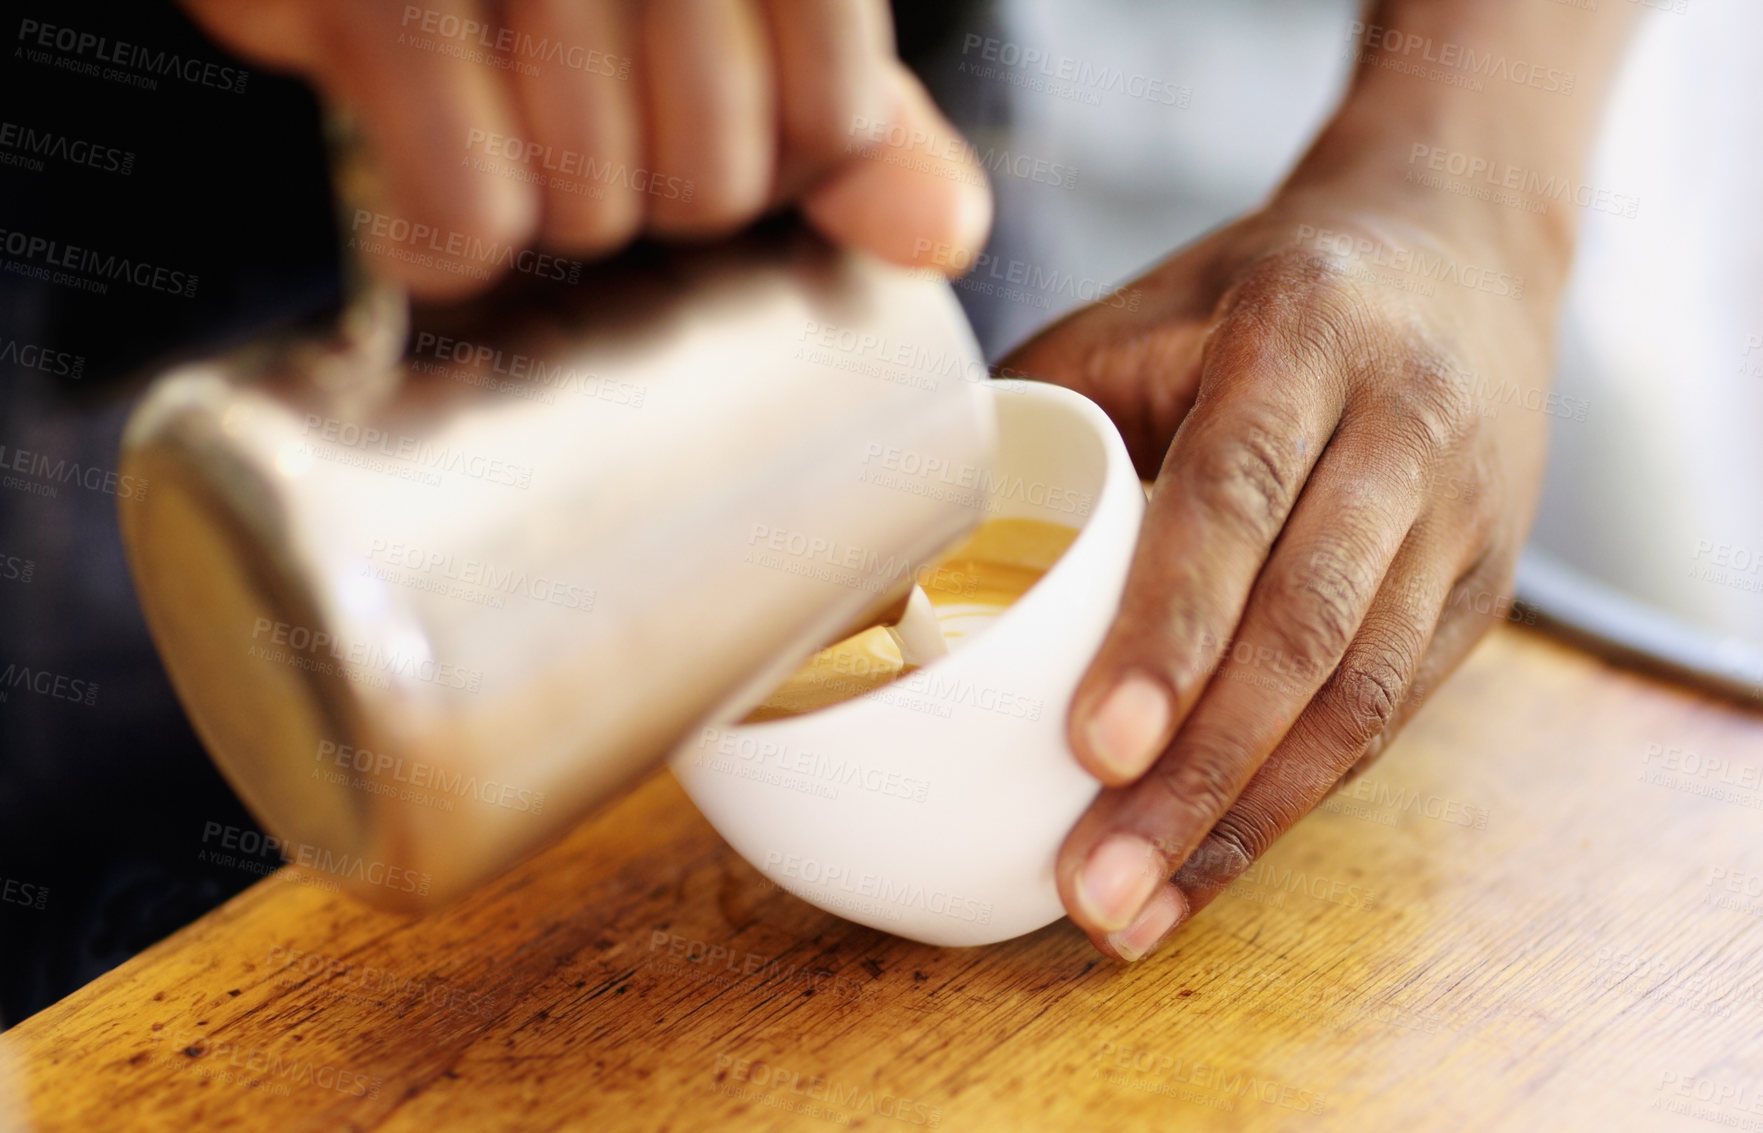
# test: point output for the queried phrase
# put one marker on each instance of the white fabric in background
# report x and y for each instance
(1670, 457)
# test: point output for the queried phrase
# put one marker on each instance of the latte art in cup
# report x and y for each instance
(968, 588)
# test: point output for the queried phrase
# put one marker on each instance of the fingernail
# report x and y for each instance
(1157, 921)
(1116, 880)
(1126, 731)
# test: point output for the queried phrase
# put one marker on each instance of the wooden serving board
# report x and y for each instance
(1542, 910)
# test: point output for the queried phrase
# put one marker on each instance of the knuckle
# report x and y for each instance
(1482, 494)
(1297, 778)
(720, 209)
(1186, 657)
(1202, 785)
(1431, 404)
(1366, 692)
(821, 129)
(574, 224)
(1485, 592)
(1447, 397)
(509, 215)
(1248, 480)
(1312, 616)
(1413, 595)
(1337, 567)
(1230, 848)
(1303, 303)
(1332, 330)
(1163, 629)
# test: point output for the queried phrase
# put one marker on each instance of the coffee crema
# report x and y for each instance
(969, 587)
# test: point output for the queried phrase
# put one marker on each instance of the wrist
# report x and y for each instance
(1448, 171)
(1473, 121)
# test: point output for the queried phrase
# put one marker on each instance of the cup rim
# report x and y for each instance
(1088, 544)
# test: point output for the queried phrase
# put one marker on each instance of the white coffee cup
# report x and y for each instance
(934, 808)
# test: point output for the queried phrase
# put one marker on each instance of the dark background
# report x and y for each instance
(103, 805)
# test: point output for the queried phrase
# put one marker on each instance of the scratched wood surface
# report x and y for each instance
(1542, 910)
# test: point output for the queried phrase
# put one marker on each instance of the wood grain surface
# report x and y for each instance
(1542, 911)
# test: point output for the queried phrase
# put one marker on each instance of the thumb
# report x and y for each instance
(911, 192)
